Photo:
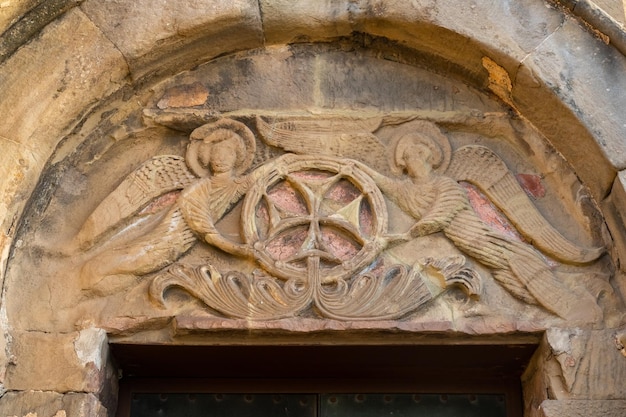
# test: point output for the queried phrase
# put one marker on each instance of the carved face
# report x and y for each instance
(220, 156)
(417, 160)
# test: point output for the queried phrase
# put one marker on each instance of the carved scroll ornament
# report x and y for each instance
(314, 221)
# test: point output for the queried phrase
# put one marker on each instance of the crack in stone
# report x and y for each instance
(113, 44)
(261, 17)
(539, 45)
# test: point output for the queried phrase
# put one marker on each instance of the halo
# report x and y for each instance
(426, 133)
(203, 135)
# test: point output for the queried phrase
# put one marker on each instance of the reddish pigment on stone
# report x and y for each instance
(184, 96)
(311, 175)
(338, 244)
(366, 221)
(166, 200)
(287, 244)
(531, 183)
(285, 197)
(343, 192)
(489, 213)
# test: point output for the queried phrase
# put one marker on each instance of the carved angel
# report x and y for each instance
(439, 203)
(212, 181)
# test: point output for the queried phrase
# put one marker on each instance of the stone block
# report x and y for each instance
(32, 18)
(59, 362)
(157, 34)
(288, 21)
(426, 25)
(581, 408)
(563, 64)
(614, 210)
(13, 10)
(505, 30)
(614, 8)
(588, 365)
(72, 66)
(51, 404)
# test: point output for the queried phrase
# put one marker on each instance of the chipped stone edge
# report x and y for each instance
(610, 30)
(91, 346)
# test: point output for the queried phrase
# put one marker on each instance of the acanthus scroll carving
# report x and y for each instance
(313, 223)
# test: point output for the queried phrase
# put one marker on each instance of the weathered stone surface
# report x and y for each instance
(286, 21)
(425, 24)
(59, 362)
(562, 64)
(576, 364)
(12, 11)
(614, 8)
(51, 404)
(614, 208)
(158, 35)
(29, 25)
(520, 27)
(317, 77)
(581, 408)
(73, 65)
(45, 86)
(606, 21)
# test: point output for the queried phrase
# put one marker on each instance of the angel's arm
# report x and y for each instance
(450, 198)
(389, 186)
(195, 205)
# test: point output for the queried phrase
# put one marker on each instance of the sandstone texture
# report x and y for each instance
(186, 32)
(311, 172)
(62, 363)
(573, 408)
(51, 404)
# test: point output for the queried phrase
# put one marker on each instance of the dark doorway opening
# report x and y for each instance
(452, 373)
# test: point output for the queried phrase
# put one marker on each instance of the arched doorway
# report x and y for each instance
(371, 74)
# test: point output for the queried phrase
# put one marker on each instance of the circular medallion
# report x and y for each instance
(317, 213)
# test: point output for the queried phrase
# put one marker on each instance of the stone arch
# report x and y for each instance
(532, 56)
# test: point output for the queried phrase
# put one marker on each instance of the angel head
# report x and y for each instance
(418, 155)
(421, 151)
(223, 147)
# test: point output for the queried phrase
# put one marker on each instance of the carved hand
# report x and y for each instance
(226, 245)
(424, 229)
(398, 238)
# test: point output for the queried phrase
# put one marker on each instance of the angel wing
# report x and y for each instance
(482, 167)
(152, 179)
(342, 137)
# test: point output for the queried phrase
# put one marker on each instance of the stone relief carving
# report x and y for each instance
(314, 223)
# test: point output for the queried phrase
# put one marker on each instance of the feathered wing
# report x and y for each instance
(152, 179)
(163, 244)
(342, 137)
(482, 167)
